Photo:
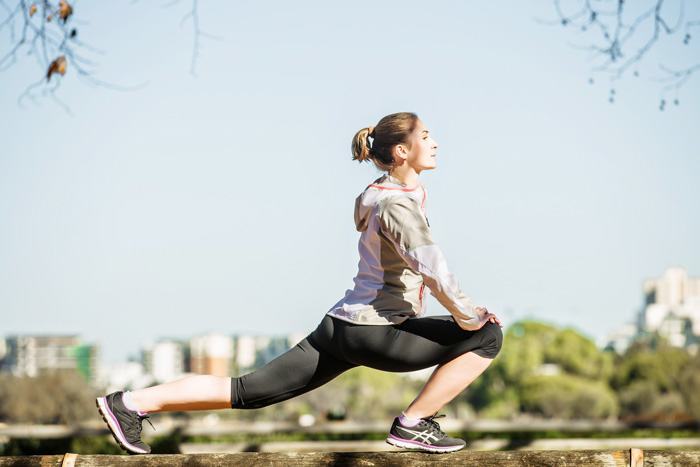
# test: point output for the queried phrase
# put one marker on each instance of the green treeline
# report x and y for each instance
(560, 373)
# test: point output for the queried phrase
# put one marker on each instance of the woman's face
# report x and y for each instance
(423, 149)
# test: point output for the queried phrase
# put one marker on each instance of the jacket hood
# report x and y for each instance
(379, 190)
(363, 208)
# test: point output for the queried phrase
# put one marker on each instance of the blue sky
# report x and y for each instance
(223, 202)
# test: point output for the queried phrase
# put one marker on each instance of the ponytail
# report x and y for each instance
(376, 143)
(361, 145)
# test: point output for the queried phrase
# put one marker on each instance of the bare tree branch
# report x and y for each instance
(623, 38)
(193, 15)
(48, 33)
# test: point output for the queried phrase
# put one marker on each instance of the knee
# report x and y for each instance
(238, 395)
(492, 341)
(247, 396)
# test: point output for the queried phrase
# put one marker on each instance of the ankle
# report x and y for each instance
(408, 420)
(131, 403)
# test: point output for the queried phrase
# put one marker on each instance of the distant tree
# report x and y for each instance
(649, 381)
(524, 350)
(689, 386)
(660, 365)
(619, 36)
(515, 382)
(643, 400)
(568, 397)
(57, 397)
(578, 355)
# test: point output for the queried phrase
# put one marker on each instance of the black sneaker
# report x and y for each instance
(425, 436)
(124, 424)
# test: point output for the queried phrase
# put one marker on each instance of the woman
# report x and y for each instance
(376, 324)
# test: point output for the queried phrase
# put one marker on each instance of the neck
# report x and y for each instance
(405, 175)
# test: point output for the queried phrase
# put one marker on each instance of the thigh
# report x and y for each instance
(417, 343)
(302, 368)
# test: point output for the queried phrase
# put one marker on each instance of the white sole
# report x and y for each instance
(408, 445)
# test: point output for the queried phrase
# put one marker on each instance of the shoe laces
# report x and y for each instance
(135, 427)
(436, 426)
(148, 419)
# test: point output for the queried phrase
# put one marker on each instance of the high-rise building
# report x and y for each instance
(164, 360)
(211, 354)
(245, 352)
(672, 307)
(87, 360)
(30, 355)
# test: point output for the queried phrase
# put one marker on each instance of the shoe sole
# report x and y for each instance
(114, 428)
(417, 445)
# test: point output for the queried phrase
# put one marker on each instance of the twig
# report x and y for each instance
(48, 32)
(614, 35)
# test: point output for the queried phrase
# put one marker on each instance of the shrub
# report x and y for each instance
(566, 396)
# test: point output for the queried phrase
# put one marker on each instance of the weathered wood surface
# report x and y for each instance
(462, 458)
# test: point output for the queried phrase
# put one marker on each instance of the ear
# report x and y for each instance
(400, 152)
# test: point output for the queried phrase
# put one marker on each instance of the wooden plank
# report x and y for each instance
(69, 460)
(407, 458)
(636, 457)
(31, 461)
(671, 458)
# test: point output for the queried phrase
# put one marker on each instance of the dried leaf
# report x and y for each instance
(64, 10)
(59, 66)
(32, 10)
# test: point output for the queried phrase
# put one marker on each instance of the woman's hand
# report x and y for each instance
(477, 322)
(487, 317)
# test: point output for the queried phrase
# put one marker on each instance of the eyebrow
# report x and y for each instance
(425, 131)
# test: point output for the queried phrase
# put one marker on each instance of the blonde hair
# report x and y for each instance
(391, 130)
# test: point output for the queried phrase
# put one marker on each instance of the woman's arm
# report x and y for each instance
(403, 223)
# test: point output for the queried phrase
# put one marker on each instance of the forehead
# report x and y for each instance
(420, 128)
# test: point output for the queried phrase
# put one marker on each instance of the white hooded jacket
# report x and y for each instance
(397, 259)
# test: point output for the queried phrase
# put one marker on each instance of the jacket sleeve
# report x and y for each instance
(403, 223)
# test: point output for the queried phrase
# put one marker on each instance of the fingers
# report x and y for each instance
(488, 317)
(494, 319)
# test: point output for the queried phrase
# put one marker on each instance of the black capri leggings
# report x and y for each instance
(336, 346)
